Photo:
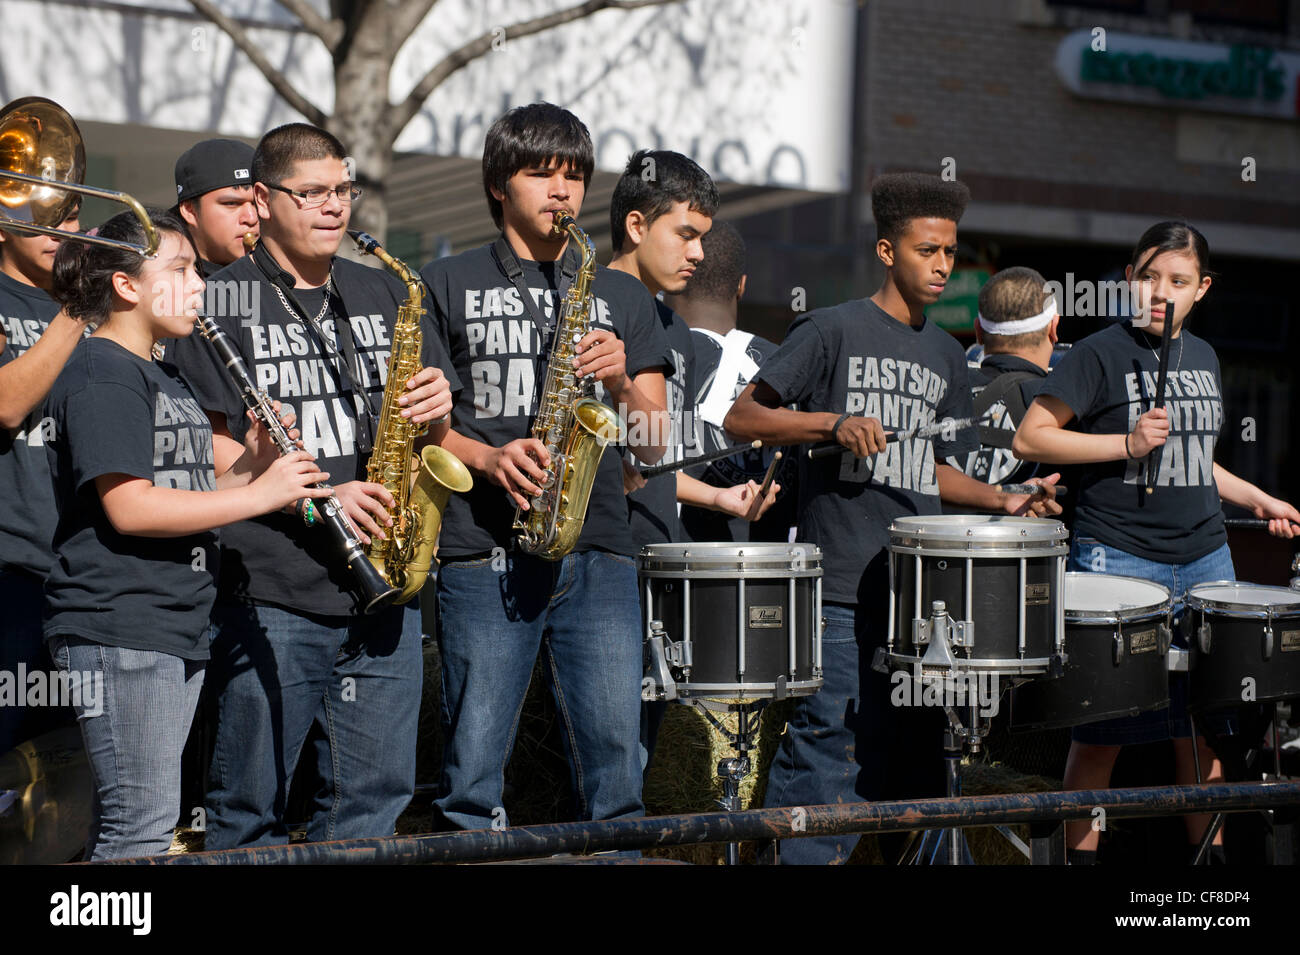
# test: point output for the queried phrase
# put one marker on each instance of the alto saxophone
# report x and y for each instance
(405, 556)
(572, 424)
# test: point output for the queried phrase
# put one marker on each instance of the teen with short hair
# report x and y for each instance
(214, 195)
(660, 212)
(292, 649)
(1016, 325)
(498, 606)
(854, 371)
(726, 358)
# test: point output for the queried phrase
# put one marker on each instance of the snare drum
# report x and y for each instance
(1001, 579)
(1245, 640)
(1117, 636)
(735, 621)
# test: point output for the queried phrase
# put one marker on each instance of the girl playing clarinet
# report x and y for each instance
(138, 493)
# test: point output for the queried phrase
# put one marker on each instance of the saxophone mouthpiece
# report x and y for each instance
(364, 240)
(561, 221)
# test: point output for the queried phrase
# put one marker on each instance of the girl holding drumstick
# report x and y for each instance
(138, 494)
(1174, 536)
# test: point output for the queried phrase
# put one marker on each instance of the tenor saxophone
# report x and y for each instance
(572, 424)
(405, 556)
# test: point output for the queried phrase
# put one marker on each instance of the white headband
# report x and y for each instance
(1022, 325)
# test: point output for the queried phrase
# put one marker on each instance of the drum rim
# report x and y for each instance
(957, 527)
(973, 548)
(1243, 611)
(766, 572)
(1117, 617)
(767, 559)
(773, 548)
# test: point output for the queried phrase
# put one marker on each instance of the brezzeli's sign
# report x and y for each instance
(1207, 76)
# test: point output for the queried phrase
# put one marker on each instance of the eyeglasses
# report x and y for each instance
(316, 197)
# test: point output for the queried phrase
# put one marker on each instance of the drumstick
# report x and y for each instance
(1251, 523)
(763, 488)
(700, 459)
(925, 431)
(1162, 375)
(1060, 489)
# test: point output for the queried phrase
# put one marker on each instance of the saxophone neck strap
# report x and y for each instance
(508, 262)
(282, 279)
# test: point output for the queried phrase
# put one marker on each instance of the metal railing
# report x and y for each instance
(1044, 811)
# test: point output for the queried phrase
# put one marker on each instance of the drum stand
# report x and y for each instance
(1216, 822)
(733, 770)
(948, 846)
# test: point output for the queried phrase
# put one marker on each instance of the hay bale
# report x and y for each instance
(684, 775)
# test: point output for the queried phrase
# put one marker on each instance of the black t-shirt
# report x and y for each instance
(1108, 380)
(116, 413)
(998, 465)
(497, 351)
(652, 510)
(276, 559)
(27, 505)
(856, 358)
(701, 524)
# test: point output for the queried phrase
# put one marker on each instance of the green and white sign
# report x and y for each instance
(959, 304)
(1240, 79)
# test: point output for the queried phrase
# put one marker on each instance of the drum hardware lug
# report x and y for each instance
(679, 654)
(921, 632)
(1268, 639)
(1056, 665)
(1203, 636)
(880, 661)
(660, 653)
(779, 691)
(1178, 660)
(1166, 637)
(963, 633)
(939, 628)
(1117, 646)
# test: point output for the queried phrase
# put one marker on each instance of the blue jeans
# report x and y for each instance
(274, 673)
(135, 709)
(1089, 555)
(847, 743)
(496, 615)
(22, 597)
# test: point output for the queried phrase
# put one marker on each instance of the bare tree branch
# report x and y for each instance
(328, 31)
(402, 113)
(409, 16)
(273, 76)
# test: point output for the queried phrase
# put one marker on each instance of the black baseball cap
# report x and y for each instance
(213, 164)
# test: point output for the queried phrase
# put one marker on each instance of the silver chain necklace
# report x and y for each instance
(324, 305)
(1156, 355)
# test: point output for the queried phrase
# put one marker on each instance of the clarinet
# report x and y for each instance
(376, 593)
